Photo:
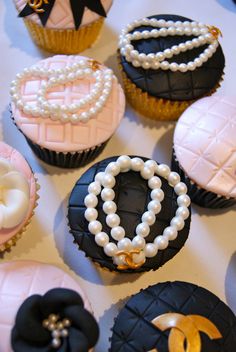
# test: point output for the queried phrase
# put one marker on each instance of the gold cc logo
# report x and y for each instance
(185, 331)
(129, 260)
(37, 4)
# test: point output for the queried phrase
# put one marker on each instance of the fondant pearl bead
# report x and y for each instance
(183, 212)
(154, 182)
(125, 244)
(99, 177)
(117, 233)
(183, 200)
(110, 249)
(151, 164)
(113, 168)
(143, 229)
(149, 217)
(91, 201)
(150, 250)
(124, 162)
(139, 258)
(91, 214)
(157, 194)
(154, 206)
(102, 239)
(170, 233)
(95, 227)
(178, 222)
(113, 220)
(138, 242)
(173, 178)
(137, 164)
(94, 188)
(163, 170)
(109, 207)
(107, 194)
(161, 242)
(108, 181)
(180, 188)
(147, 173)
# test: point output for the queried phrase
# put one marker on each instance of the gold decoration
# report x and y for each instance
(215, 32)
(94, 64)
(37, 4)
(129, 260)
(185, 331)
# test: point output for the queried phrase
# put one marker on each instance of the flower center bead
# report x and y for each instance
(58, 328)
(204, 35)
(127, 254)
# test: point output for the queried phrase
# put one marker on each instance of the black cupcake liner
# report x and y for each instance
(65, 160)
(198, 195)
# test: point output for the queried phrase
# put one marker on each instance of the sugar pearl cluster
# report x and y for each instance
(57, 327)
(81, 111)
(162, 28)
(103, 185)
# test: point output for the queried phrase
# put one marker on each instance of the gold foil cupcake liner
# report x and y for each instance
(12, 241)
(64, 41)
(153, 107)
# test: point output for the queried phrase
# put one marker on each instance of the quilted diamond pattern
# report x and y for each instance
(175, 85)
(205, 147)
(132, 197)
(69, 137)
(61, 16)
(20, 279)
(133, 331)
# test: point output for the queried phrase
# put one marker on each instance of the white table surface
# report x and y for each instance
(209, 256)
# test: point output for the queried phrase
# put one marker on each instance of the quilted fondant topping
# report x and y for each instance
(171, 314)
(18, 192)
(63, 14)
(21, 279)
(68, 136)
(177, 85)
(57, 320)
(205, 146)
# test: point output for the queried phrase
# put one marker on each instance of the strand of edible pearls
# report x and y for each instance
(158, 60)
(148, 171)
(96, 99)
(57, 328)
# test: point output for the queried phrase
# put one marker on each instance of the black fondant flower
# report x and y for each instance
(77, 8)
(31, 335)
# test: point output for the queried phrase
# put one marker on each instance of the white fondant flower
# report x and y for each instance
(14, 196)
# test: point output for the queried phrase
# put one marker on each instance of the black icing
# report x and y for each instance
(29, 335)
(133, 331)
(132, 196)
(175, 85)
(77, 8)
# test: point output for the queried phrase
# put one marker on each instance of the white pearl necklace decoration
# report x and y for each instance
(129, 254)
(162, 28)
(94, 101)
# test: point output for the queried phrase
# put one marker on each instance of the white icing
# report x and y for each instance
(14, 195)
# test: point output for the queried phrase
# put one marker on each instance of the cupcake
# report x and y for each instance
(174, 316)
(67, 107)
(204, 151)
(18, 196)
(63, 26)
(167, 63)
(43, 309)
(129, 214)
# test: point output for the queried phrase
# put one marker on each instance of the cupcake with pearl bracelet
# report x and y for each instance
(130, 214)
(168, 62)
(67, 107)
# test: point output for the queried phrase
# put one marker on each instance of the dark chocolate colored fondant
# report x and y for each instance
(175, 85)
(134, 332)
(132, 196)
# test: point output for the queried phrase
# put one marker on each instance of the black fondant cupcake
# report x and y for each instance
(204, 151)
(168, 62)
(174, 315)
(127, 218)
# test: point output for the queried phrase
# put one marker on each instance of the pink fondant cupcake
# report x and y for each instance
(205, 151)
(67, 107)
(63, 26)
(18, 195)
(44, 309)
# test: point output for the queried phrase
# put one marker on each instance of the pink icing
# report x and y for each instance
(21, 279)
(61, 16)
(21, 165)
(68, 137)
(205, 144)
